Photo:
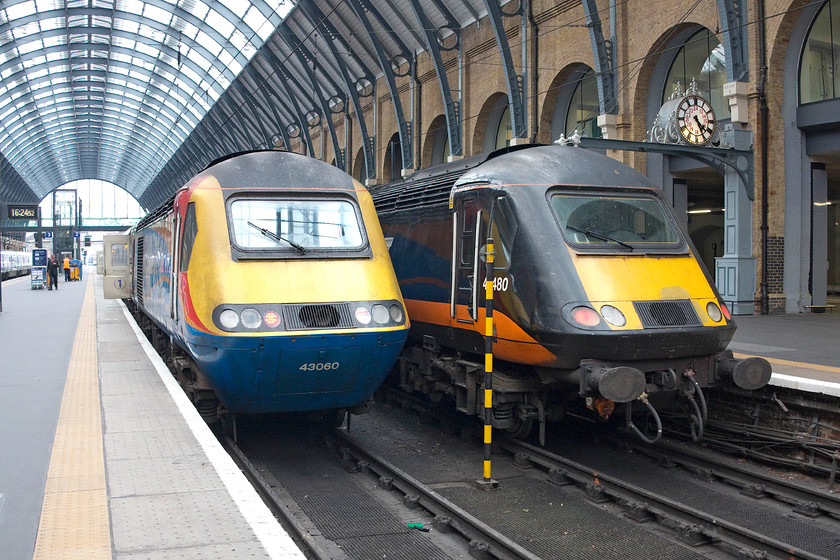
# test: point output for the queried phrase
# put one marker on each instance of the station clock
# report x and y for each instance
(696, 120)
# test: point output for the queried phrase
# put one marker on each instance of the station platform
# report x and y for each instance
(103, 456)
(804, 349)
(101, 453)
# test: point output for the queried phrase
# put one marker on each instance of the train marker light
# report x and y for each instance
(363, 315)
(613, 316)
(714, 312)
(271, 318)
(586, 316)
(250, 318)
(380, 314)
(396, 313)
(229, 319)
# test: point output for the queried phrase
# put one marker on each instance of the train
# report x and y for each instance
(599, 302)
(15, 263)
(267, 279)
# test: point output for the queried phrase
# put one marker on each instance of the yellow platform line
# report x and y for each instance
(74, 517)
(803, 365)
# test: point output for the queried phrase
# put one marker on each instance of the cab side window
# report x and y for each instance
(190, 228)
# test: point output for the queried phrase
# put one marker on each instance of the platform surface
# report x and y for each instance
(101, 453)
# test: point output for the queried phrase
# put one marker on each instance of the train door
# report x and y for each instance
(466, 276)
(117, 272)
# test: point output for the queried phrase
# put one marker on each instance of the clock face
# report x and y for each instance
(696, 119)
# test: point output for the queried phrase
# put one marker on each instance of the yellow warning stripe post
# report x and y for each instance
(488, 362)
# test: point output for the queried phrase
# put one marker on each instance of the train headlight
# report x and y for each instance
(613, 316)
(396, 313)
(228, 319)
(250, 318)
(380, 314)
(363, 315)
(714, 312)
(586, 316)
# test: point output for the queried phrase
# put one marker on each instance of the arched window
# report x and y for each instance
(702, 59)
(504, 133)
(393, 159)
(583, 108)
(818, 79)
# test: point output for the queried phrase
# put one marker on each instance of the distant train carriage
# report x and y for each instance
(15, 263)
(599, 299)
(269, 271)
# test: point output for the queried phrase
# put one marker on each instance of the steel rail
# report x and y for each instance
(806, 500)
(446, 513)
(639, 499)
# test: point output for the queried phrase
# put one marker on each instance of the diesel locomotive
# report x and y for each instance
(599, 300)
(268, 279)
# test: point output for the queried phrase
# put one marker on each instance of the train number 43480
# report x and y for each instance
(320, 366)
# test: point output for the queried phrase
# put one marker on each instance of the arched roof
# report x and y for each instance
(110, 89)
(145, 93)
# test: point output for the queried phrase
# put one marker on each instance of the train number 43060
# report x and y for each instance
(320, 366)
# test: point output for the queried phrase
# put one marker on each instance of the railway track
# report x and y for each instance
(474, 538)
(691, 524)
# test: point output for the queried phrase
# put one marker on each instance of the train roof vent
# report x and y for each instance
(317, 316)
(664, 314)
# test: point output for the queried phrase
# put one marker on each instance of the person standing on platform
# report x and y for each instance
(52, 272)
(66, 269)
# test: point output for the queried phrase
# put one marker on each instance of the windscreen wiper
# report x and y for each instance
(271, 235)
(600, 236)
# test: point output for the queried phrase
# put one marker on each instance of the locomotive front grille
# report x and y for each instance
(664, 314)
(317, 316)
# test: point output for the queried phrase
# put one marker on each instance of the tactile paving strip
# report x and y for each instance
(74, 517)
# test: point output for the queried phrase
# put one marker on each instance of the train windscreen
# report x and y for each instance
(609, 221)
(295, 224)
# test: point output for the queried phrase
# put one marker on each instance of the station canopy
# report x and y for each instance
(144, 94)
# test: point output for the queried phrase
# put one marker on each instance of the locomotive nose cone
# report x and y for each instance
(621, 384)
(752, 373)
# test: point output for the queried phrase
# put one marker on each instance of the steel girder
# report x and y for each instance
(452, 106)
(517, 100)
(602, 49)
(317, 19)
(733, 22)
(404, 127)
(305, 57)
(284, 78)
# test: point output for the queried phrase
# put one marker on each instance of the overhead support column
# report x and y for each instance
(318, 20)
(452, 106)
(517, 100)
(604, 64)
(734, 29)
(735, 271)
(386, 64)
(306, 57)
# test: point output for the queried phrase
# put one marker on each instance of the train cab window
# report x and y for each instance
(470, 214)
(616, 222)
(295, 226)
(188, 238)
